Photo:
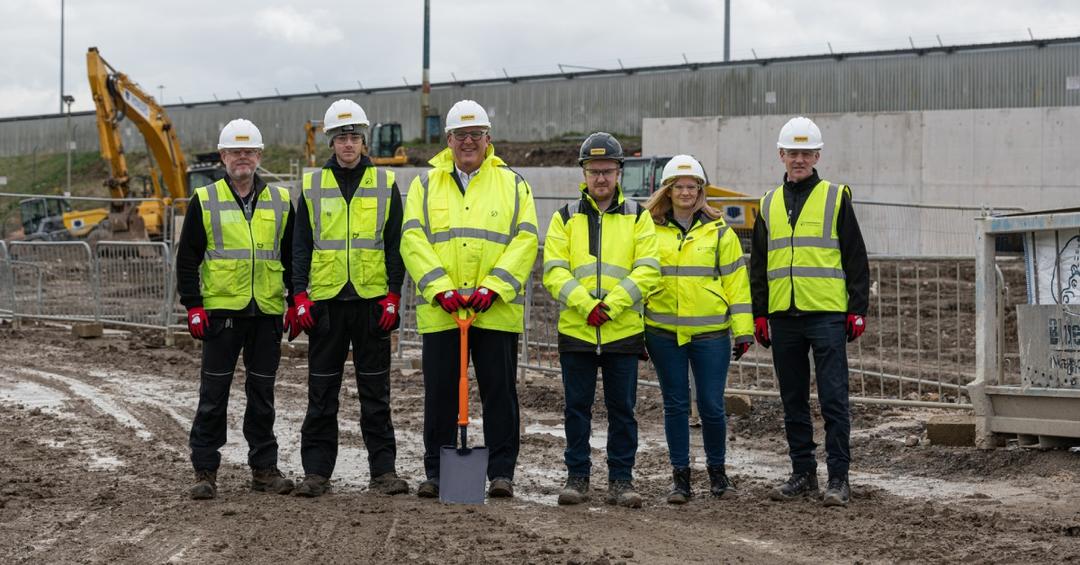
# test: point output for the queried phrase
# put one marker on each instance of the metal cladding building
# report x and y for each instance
(1038, 73)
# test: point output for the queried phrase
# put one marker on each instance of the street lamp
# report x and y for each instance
(69, 99)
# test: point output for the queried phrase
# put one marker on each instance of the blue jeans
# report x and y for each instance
(792, 340)
(620, 396)
(710, 359)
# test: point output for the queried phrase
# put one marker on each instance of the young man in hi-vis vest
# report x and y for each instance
(232, 270)
(347, 278)
(810, 286)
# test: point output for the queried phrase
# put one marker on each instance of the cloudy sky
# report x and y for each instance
(195, 50)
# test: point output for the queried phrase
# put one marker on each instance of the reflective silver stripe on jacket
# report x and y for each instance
(430, 277)
(215, 207)
(632, 289)
(686, 271)
(807, 272)
(825, 240)
(606, 269)
(475, 233)
(549, 265)
(689, 321)
(316, 193)
(568, 287)
(506, 277)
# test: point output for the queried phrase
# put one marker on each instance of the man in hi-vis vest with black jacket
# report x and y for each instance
(810, 284)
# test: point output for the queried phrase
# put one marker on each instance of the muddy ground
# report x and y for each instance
(94, 469)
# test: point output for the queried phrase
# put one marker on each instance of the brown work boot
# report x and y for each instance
(205, 486)
(312, 486)
(428, 489)
(388, 483)
(576, 491)
(622, 493)
(501, 487)
(270, 480)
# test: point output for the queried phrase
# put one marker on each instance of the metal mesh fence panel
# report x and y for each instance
(53, 280)
(135, 283)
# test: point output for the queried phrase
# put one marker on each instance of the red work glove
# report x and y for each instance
(304, 307)
(761, 331)
(292, 325)
(451, 301)
(598, 315)
(482, 299)
(856, 325)
(740, 349)
(390, 306)
(197, 322)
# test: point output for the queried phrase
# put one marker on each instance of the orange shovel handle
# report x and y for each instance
(463, 378)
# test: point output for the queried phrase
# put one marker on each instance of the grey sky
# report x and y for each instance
(199, 48)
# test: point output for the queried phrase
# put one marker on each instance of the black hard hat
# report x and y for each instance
(600, 145)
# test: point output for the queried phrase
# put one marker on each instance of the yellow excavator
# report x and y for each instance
(117, 97)
(386, 147)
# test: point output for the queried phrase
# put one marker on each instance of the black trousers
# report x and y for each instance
(337, 325)
(494, 357)
(792, 340)
(259, 337)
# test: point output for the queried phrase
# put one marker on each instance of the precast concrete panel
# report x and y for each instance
(948, 155)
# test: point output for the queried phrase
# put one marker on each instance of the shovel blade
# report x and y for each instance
(463, 475)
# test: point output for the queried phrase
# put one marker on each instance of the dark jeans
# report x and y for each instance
(494, 359)
(710, 359)
(337, 324)
(619, 372)
(259, 337)
(792, 339)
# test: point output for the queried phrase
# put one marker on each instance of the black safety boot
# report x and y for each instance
(680, 486)
(837, 491)
(622, 493)
(312, 486)
(205, 486)
(797, 485)
(388, 483)
(501, 487)
(719, 483)
(428, 489)
(270, 480)
(576, 491)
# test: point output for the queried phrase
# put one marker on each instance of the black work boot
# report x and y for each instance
(270, 480)
(797, 485)
(622, 493)
(388, 483)
(312, 486)
(680, 486)
(719, 483)
(428, 489)
(501, 487)
(837, 491)
(205, 486)
(576, 491)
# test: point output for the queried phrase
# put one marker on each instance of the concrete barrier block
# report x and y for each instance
(87, 330)
(956, 430)
(737, 404)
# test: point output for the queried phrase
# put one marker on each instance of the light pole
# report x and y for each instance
(62, 95)
(68, 99)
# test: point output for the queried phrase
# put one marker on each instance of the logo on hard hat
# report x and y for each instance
(243, 138)
(684, 167)
(344, 115)
(801, 139)
(598, 151)
(468, 117)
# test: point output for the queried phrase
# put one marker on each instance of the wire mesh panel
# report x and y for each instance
(407, 333)
(7, 285)
(135, 282)
(53, 280)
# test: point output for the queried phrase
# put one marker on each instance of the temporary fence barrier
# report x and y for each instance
(7, 285)
(53, 280)
(135, 283)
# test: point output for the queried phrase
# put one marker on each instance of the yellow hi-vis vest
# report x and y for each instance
(703, 286)
(622, 271)
(243, 258)
(348, 237)
(485, 237)
(804, 264)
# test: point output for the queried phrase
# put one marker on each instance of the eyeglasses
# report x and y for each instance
(593, 173)
(243, 152)
(676, 188)
(800, 153)
(474, 135)
(353, 138)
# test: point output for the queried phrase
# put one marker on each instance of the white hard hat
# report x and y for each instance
(344, 116)
(800, 133)
(683, 166)
(466, 113)
(240, 134)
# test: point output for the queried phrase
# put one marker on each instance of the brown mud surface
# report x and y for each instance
(95, 470)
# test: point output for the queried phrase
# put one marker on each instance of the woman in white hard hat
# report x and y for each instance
(701, 305)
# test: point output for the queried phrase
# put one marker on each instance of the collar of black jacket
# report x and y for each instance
(257, 184)
(803, 185)
(332, 163)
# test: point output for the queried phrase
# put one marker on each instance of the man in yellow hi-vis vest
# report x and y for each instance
(469, 242)
(810, 285)
(232, 270)
(347, 277)
(600, 261)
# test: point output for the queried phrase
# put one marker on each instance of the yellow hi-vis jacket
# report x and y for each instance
(243, 258)
(804, 264)
(484, 237)
(703, 286)
(347, 237)
(591, 257)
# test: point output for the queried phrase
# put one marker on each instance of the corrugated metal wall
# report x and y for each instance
(529, 110)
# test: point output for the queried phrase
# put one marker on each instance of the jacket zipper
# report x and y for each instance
(599, 252)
